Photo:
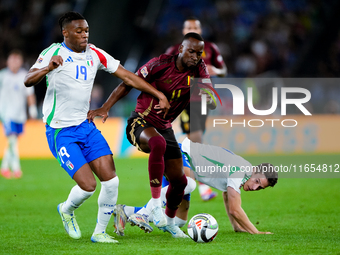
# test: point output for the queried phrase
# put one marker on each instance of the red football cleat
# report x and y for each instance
(17, 174)
(6, 173)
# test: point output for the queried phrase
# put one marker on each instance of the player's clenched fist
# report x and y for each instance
(55, 62)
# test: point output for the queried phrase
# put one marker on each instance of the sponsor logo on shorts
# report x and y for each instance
(140, 123)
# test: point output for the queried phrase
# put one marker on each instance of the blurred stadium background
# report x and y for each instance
(257, 38)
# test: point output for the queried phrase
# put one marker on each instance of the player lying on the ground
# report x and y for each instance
(221, 169)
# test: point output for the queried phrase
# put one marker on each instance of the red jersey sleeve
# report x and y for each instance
(216, 58)
(145, 71)
(202, 74)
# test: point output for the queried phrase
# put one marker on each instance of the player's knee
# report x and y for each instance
(89, 186)
(183, 182)
(157, 144)
(191, 186)
(180, 183)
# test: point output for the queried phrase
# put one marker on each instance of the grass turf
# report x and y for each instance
(302, 213)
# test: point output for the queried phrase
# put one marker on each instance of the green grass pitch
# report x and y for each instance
(303, 214)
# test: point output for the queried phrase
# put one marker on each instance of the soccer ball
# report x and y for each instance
(202, 228)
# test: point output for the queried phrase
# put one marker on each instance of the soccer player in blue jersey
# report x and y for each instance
(70, 69)
(221, 169)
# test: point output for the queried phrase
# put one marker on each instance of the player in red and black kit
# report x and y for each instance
(151, 131)
(192, 122)
(211, 54)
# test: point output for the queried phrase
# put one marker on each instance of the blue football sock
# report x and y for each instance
(137, 209)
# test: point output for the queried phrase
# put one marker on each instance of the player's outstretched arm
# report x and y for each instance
(135, 81)
(238, 214)
(119, 92)
(35, 75)
(130, 80)
(218, 66)
(220, 72)
(236, 226)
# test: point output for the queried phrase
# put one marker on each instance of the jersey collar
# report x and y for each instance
(64, 45)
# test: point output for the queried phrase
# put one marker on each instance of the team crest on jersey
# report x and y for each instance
(39, 60)
(144, 71)
(89, 60)
(69, 165)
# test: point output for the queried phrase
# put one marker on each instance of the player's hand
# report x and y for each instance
(209, 98)
(55, 62)
(264, 233)
(237, 229)
(163, 106)
(101, 112)
(211, 70)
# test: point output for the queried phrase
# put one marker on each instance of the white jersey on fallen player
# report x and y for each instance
(217, 167)
(13, 95)
(69, 86)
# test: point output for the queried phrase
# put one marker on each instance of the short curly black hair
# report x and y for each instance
(68, 17)
(193, 35)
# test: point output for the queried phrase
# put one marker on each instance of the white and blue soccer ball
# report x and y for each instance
(202, 228)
